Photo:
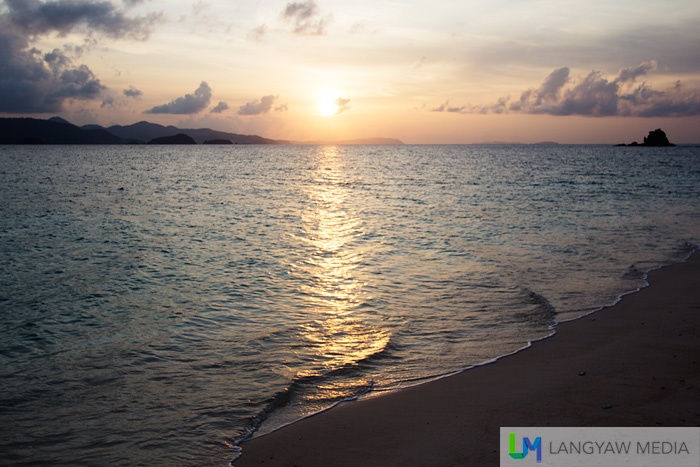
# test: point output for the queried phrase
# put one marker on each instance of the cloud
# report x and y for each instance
(673, 102)
(342, 104)
(258, 34)
(631, 74)
(262, 106)
(220, 107)
(133, 92)
(78, 83)
(595, 96)
(306, 18)
(188, 104)
(199, 7)
(108, 102)
(63, 16)
(34, 82)
(498, 108)
(552, 85)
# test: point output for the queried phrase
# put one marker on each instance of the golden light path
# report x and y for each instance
(339, 336)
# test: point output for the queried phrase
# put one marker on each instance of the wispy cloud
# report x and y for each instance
(595, 96)
(307, 18)
(498, 108)
(258, 34)
(199, 7)
(262, 106)
(343, 105)
(187, 104)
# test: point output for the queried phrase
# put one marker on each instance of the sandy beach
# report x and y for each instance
(633, 364)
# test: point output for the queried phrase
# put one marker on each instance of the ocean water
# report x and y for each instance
(159, 304)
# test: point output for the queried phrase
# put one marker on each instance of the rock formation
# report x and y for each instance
(655, 138)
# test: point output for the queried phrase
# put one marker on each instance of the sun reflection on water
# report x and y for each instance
(340, 336)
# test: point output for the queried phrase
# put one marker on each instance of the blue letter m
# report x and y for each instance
(527, 447)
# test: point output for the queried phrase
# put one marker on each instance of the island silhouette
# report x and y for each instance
(656, 138)
(179, 138)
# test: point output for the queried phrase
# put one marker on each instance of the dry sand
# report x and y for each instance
(634, 364)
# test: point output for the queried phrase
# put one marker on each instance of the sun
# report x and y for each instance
(327, 105)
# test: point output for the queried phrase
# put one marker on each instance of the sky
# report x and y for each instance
(425, 72)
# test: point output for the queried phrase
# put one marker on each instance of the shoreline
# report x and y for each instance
(634, 363)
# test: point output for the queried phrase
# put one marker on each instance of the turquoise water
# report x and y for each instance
(158, 304)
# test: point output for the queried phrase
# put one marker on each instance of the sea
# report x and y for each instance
(160, 304)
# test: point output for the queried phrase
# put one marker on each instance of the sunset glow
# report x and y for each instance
(423, 72)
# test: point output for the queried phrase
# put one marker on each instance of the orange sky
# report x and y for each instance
(456, 71)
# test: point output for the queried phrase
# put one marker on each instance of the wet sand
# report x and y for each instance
(634, 364)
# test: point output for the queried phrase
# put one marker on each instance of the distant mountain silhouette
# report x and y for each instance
(56, 130)
(59, 131)
(59, 120)
(179, 138)
(53, 131)
(145, 131)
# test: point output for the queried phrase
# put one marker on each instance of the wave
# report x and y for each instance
(307, 384)
(541, 311)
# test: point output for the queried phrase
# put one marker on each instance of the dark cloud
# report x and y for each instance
(133, 92)
(56, 59)
(306, 18)
(342, 104)
(220, 107)
(36, 18)
(34, 82)
(672, 102)
(261, 106)
(78, 83)
(188, 104)
(596, 96)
